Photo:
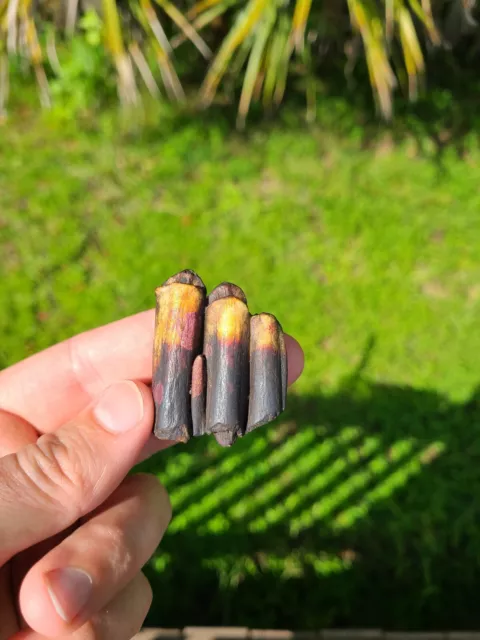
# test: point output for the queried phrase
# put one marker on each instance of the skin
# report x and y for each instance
(65, 499)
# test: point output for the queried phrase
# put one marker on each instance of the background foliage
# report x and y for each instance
(250, 49)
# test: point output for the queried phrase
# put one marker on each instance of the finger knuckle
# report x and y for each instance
(59, 471)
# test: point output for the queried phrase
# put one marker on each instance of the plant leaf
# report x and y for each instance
(254, 62)
(245, 22)
(144, 69)
(300, 17)
(182, 22)
(203, 20)
(114, 39)
(278, 43)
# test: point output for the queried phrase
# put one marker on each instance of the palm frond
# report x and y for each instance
(143, 67)
(300, 18)
(71, 16)
(127, 88)
(203, 19)
(412, 51)
(366, 19)
(276, 62)
(4, 84)
(255, 60)
(201, 6)
(262, 43)
(245, 22)
(181, 21)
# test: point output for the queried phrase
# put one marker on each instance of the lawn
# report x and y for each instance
(361, 507)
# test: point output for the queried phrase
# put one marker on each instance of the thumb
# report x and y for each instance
(47, 486)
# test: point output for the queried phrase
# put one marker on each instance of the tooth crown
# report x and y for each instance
(216, 368)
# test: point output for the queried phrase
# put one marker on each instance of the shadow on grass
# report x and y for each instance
(380, 529)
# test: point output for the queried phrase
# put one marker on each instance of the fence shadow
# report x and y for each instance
(390, 539)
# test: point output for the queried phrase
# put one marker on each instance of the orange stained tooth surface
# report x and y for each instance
(265, 332)
(227, 318)
(178, 307)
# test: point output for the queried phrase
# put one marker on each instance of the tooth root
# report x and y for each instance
(177, 341)
(268, 371)
(199, 387)
(226, 349)
(225, 438)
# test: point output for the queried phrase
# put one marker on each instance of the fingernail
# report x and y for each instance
(120, 408)
(69, 590)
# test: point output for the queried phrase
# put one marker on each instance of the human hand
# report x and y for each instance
(74, 531)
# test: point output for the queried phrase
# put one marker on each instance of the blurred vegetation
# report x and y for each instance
(360, 507)
(82, 51)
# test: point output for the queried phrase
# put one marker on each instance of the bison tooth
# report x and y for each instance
(179, 318)
(226, 350)
(268, 371)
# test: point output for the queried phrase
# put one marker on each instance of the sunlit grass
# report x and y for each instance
(370, 474)
(392, 480)
(284, 485)
(350, 480)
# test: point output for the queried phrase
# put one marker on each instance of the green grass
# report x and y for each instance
(362, 506)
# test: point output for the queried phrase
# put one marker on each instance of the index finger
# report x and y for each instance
(51, 387)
